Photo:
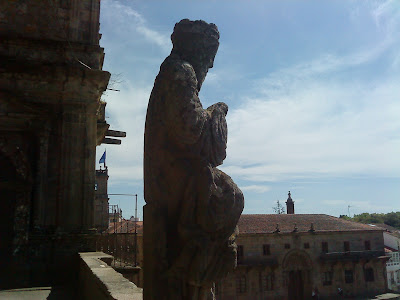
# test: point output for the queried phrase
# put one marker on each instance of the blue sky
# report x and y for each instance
(312, 88)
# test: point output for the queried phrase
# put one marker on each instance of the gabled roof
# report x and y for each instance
(288, 222)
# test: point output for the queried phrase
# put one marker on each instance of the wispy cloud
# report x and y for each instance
(255, 188)
(128, 19)
(386, 15)
(127, 110)
(315, 120)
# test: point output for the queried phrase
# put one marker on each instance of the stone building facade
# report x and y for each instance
(51, 119)
(288, 256)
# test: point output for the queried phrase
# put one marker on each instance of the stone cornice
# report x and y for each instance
(48, 51)
(45, 83)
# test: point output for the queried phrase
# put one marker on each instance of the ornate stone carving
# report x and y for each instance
(192, 207)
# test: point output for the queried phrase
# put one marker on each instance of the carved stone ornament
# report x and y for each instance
(192, 207)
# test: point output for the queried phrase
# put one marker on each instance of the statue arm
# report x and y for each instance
(215, 140)
(185, 114)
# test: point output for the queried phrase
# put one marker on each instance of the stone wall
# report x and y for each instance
(60, 20)
(51, 81)
(293, 252)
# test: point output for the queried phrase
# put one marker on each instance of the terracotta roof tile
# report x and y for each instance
(124, 226)
(287, 223)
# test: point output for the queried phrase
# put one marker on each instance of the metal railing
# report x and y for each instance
(122, 246)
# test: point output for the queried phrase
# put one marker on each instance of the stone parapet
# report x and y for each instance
(97, 280)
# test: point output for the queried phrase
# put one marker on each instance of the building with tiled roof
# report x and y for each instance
(287, 223)
(290, 256)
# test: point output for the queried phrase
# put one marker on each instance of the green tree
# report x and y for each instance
(392, 218)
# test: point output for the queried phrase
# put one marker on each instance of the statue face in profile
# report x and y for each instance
(202, 68)
(197, 45)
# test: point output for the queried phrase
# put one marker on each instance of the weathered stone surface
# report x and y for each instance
(192, 207)
(51, 81)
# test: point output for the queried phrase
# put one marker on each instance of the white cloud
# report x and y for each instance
(309, 121)
(127, 111)
(128, 20)
(385, 14)
(304, 121)
(255, 188)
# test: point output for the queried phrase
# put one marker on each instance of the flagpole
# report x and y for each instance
(105, 158)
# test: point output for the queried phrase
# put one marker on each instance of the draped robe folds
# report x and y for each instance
(184, 144)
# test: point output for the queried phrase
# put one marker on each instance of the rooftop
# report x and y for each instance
(389, 229)
(286, 223)
(125, 226)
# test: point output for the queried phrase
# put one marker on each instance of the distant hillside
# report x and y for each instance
(392, 219)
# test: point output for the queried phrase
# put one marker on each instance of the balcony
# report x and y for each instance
(353, 255)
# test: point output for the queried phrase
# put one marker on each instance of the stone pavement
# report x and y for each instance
(37, 293)
(388, 296)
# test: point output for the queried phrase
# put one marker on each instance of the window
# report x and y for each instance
(267, 282)
(241, 284)
(348, 276)
(287, 246)
(306, 245)
(369, 274)
(324, 247)
(266, 249)
(346, 246)
(367, 245)
(95, 186)
(240, 253)
(327, 278)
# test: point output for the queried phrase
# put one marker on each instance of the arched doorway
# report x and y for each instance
(297, 268)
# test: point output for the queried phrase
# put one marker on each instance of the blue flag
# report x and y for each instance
(103, 159)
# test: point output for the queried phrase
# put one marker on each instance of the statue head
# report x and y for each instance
(197, 43)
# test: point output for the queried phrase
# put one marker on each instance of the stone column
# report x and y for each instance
(76, 191)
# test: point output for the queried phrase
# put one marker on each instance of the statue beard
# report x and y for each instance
(201, 71)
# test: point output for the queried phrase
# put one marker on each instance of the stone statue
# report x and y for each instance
(192, 208)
